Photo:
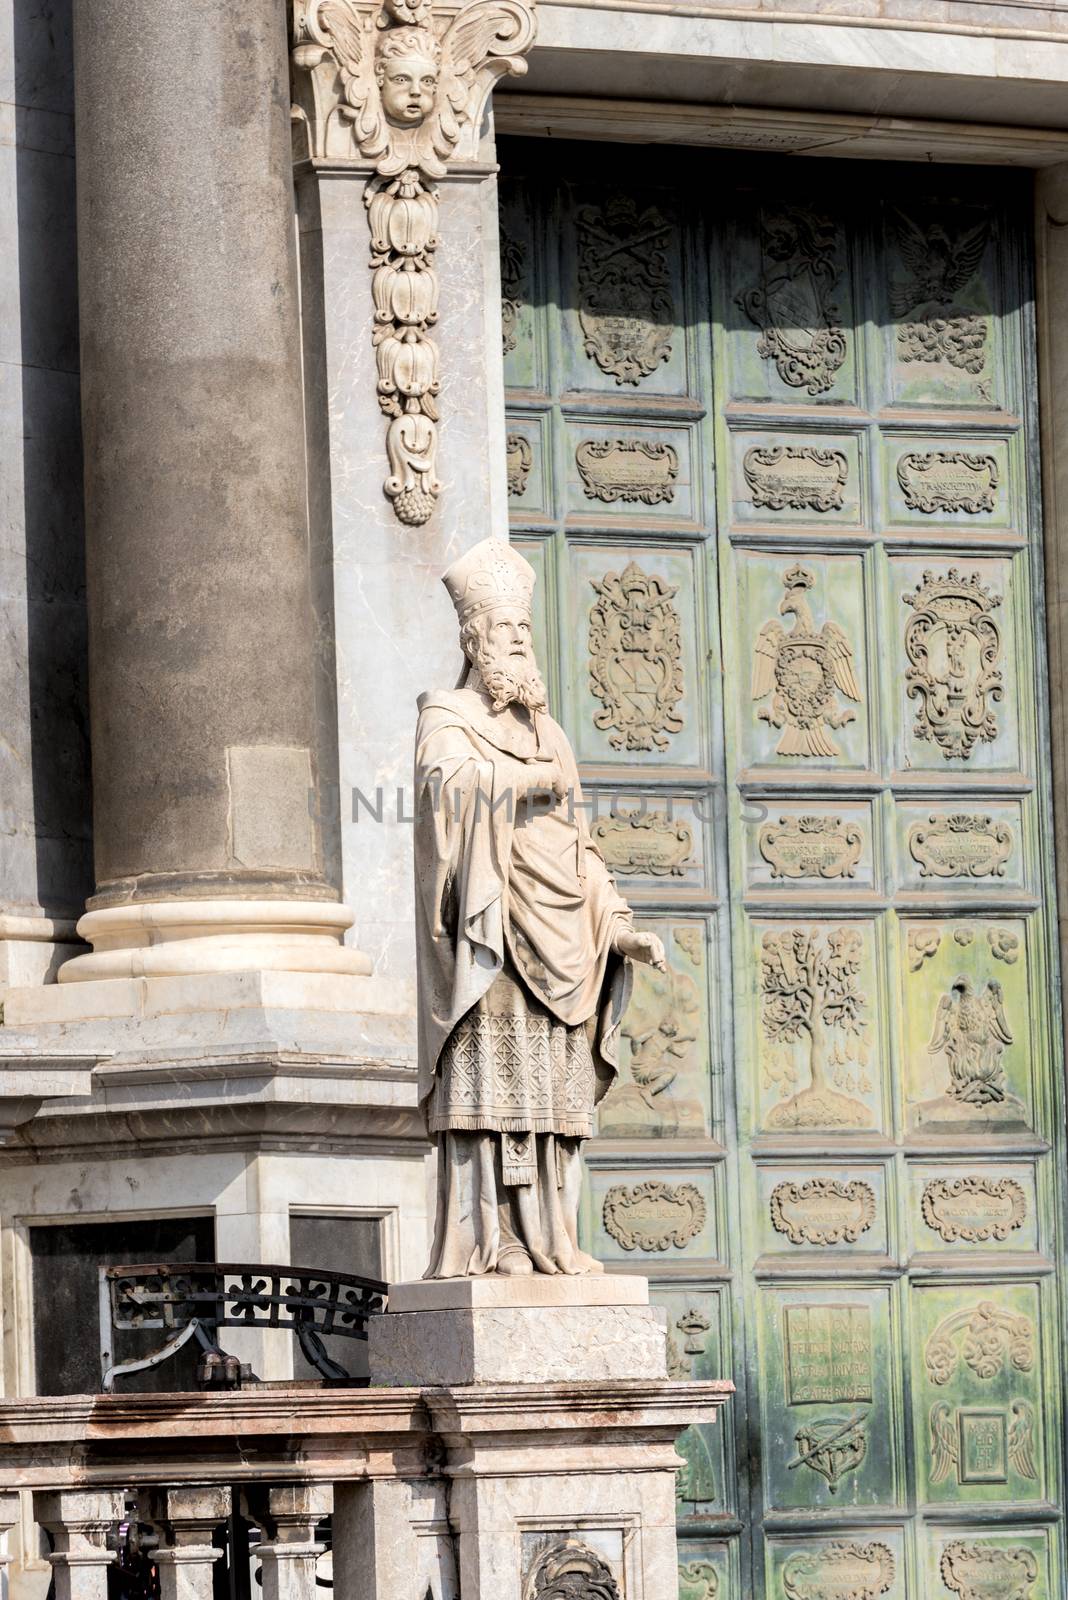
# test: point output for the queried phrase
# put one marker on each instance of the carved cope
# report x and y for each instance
(403, 85)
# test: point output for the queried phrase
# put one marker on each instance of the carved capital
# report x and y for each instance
(403, 86)
(404, 83)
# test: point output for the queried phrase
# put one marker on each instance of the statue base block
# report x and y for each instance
(536, 1329)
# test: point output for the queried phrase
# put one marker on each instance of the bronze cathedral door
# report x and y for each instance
(772, 447)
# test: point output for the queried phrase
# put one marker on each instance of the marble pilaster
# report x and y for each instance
(386, 628)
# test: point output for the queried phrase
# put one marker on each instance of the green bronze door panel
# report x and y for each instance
(773, 453)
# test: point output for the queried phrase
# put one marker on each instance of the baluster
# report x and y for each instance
(79, 1522)
(287, 1562)
(186, 1520)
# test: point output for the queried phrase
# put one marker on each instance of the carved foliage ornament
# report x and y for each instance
(632, 470)
(653, 1215)
(960, 846)
(795, 477)
(626, 309)
(804, 671)
(636, 659)
(822, 1211)
(953, 645)
(991, 1337)
(973, 1210)
(793, 302)
(646, 842)
(948, 480)
(839, 1571)
(404, 87)
(569, 1570)
(698, 1581)
(988, 1571)
(811, 847)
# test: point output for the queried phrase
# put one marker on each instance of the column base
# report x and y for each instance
(537, 1329)
(184, 938)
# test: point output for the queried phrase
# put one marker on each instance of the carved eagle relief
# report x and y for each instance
(973, 1032)
(804, 671)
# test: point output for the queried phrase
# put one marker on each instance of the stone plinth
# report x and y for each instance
(535, 1329)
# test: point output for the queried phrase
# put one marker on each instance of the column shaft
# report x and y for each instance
(201, 629)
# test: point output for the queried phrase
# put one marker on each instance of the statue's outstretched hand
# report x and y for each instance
(645, 947)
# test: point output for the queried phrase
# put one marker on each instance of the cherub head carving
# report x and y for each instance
(407, 69)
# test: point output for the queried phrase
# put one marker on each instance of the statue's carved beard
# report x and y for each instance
(510, 680)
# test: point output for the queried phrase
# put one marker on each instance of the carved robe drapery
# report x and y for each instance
(521, 994)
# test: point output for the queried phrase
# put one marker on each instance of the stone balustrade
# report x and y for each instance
(408, 1475)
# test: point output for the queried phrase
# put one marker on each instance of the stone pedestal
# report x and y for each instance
(536, 1329)
(557, 1429)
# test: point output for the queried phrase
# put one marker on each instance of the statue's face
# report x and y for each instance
(408, 87)
(508, 633)
(500, 645)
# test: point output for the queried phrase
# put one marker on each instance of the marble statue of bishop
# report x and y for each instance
(523, 944)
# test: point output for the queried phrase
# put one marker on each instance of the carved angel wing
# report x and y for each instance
(943, 1443)
(485, 41)
(967, 254)
(943, 1025)
(841, 653)
(995, 1010)
(1022, 1439)
(765, 652)
(348, 32)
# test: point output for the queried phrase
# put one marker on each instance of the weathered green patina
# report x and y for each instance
(773, 450)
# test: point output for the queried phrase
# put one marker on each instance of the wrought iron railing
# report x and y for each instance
(193, 1300)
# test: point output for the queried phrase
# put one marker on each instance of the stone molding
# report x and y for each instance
(182, 938)
(403, 85)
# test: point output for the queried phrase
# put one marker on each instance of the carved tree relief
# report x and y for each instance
(804, 671)
(626, 309)
(636, 659)
(793, 302)
(404, 85)
(811, 997)
(953, 645)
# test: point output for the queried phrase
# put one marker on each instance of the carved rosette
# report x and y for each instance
(403, 85)
(991, 1337)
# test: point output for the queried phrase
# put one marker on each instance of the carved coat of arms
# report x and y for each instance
(953, 645)
(793, 305)
(570, 1570)
(939, 267)
(804, 671)
(636, 659)
(626, 309)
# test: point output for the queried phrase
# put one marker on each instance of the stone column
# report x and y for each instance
(186, 1520)
(202, 637)
(79, 1522)
(287, 1562)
